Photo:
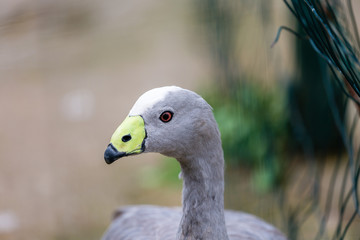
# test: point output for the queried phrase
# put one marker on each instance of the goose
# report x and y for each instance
(180, 124)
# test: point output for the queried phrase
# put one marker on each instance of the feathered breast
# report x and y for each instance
(161, 223)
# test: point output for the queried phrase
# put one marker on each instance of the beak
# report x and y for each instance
(128, 139)
(111, 154)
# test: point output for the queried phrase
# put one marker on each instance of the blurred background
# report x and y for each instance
(71, 70)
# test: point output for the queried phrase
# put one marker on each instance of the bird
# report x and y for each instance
(179, 123)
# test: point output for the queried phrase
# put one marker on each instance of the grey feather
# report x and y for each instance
(161, 223)
(193, 138)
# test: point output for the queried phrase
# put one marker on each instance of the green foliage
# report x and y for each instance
(253, 125)
(166, 173)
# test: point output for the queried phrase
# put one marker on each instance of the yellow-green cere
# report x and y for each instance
(133, 129)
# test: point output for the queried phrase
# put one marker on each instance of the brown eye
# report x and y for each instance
(166, 116)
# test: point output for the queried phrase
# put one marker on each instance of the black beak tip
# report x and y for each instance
(111, 154)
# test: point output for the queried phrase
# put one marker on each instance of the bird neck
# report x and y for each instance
(203, 194)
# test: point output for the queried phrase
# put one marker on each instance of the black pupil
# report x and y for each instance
(166, 116)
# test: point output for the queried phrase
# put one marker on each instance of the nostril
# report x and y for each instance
(126, 138)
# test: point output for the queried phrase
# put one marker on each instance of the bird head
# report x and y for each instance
(168, 120)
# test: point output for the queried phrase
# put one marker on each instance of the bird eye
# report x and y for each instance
(166, 116)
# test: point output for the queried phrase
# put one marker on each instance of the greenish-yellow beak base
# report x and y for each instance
(128, 139)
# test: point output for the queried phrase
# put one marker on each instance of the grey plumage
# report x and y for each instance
(193, 138)
(161, 223)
